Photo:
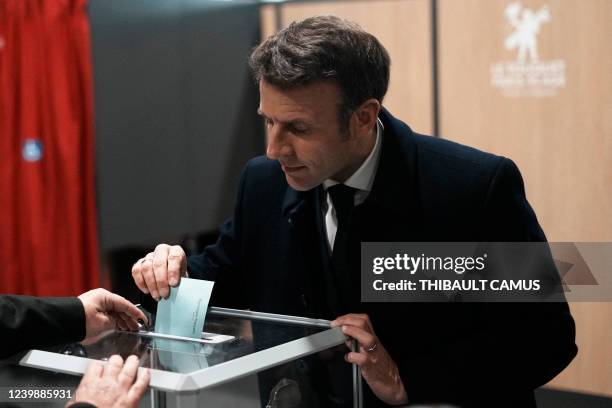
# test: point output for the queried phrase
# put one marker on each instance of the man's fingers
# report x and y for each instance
(138, 277)
(119, 323)
(160, 269)
(130, 321)
(355, 319)
(121, 305)
(94, 371)
(177, 264)
(129, 370)
(113, 366)
(358, 320)
(125, 322)
(149, 277)
(357, 326)
(356, 358)
(139, 387)
(364, 338)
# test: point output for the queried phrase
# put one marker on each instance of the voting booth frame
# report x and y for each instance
(222, 383)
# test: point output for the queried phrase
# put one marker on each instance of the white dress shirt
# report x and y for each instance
(361, 180)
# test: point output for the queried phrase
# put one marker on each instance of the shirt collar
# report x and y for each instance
(363, 178)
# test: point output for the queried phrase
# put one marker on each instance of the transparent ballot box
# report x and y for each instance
(244, 359)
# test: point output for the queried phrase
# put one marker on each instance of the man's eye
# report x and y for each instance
(299, 129)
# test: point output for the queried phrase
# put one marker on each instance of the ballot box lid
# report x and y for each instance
(236, 343)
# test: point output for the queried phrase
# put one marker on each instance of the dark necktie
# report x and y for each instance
(343, 198)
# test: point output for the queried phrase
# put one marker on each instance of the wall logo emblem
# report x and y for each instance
(32, 150)
(527, 75)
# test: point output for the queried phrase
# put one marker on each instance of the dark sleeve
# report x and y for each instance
(27, 322)
(221, 262)
(518, 346)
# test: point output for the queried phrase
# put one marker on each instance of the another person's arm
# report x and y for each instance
(27, 321)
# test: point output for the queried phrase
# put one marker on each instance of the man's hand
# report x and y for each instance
(114, 385)
(377, 367)
(159, 270)
(106, 311)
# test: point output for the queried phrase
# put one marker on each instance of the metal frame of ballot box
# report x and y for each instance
(184, 387)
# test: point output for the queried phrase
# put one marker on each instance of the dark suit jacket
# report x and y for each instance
(27, 322)
(271, 257)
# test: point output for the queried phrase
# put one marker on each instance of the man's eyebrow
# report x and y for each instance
(263, 115)
(290, 122)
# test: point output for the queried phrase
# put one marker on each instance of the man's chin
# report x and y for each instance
(299, 184)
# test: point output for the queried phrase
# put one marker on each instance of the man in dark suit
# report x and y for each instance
(341, 170)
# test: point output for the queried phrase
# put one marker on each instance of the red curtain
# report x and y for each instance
(48, 237)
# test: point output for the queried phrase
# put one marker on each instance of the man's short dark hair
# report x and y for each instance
(325, 48)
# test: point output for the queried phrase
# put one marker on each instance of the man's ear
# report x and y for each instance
(364, 117)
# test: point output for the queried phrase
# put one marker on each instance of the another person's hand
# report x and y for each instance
(377, 367)
(159, 270)
(106, 311)
(114, 385)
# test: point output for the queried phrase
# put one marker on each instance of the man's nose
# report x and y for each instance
(278, 144)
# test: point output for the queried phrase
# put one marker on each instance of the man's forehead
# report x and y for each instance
(305, 101)
(285, 112)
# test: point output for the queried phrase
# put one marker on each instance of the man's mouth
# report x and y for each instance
(291, 169)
